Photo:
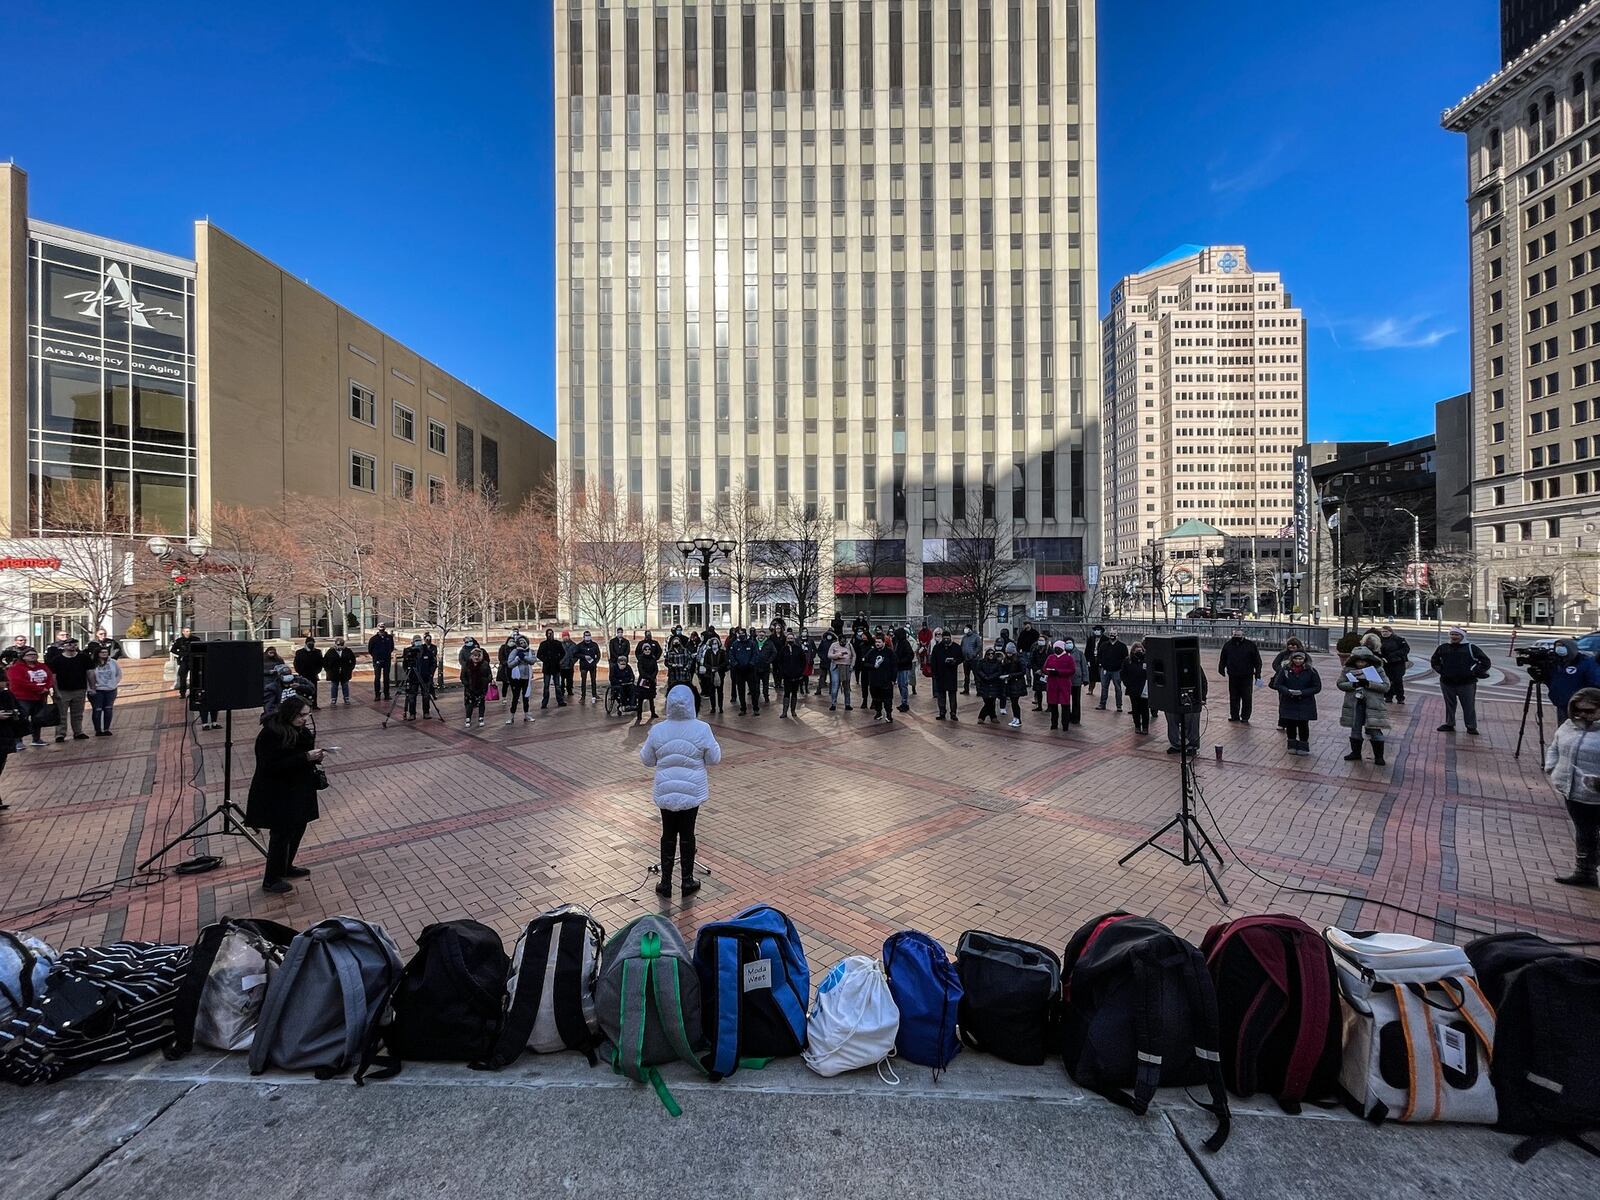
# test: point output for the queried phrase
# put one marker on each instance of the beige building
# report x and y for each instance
(1533, 214)
(839, 254)
(1205, 405)
(180, 384)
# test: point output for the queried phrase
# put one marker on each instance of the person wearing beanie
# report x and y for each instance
(1110, 655)
(308, 662)
(1136, 678)
(1366, 712)
(1297, 684)
(991, 683)
(944, 664)
(1015, 674)
(1572, 761)
(1059, 671)
(1459, 665)
(589, 667)
(905, 664)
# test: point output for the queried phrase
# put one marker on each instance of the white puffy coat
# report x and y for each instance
(680, 748)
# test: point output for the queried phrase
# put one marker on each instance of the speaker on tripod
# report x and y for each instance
(1176, 680)
(223, 676)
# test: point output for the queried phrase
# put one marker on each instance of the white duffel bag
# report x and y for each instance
(1418, 1033)
(853, 1021)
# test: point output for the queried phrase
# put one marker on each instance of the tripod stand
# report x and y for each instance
(1195, 839)
(422, 681)
(232, 815)
(1533, 697)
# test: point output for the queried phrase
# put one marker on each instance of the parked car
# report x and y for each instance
(1207, 613)
(1589, 643)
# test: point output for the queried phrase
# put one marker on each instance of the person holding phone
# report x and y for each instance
(283, 790)
(1572, 761)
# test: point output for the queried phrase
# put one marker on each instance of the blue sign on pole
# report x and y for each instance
(1004, 612)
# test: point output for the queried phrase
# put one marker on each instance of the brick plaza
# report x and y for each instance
(854, 829)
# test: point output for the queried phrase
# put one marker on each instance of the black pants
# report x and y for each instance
(587, 677)
(677, 838)
(1077, 704)
(861, 683)
(646, 697)
(791, 689)
(987, 711)
(556, 678)
(1141, 713)
(183, 677)
(1240, 701)
(519, 693)
(30, 710)
(1016, 707)
(283, 843)
(1059, 717)
(566, 678)
(380, 678)
(475, 704)
(741, 688)
(1297, 731)
(883, 701)
(1396, 671)
(764, 678)
(1586, 823)
(966, 678)
(413, 690)
(945, 695)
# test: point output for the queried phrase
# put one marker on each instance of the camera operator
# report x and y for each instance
(1567, 670)
(1460, 665)
(381, 647)
(418, 661)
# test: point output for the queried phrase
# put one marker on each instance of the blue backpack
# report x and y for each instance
(927, 990)
(754, 985)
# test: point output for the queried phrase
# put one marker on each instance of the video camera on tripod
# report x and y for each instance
(1539, 660)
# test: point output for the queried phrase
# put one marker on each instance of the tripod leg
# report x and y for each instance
(1150, 842)
(1539, 719)
(1522, 728)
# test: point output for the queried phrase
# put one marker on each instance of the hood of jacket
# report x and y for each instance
(680, 704)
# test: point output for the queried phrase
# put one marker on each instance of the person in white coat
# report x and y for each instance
(680, 748)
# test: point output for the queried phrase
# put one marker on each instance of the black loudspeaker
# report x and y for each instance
(224, 676)
(1175, 680)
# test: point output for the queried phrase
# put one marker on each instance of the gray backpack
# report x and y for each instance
(324, 1001)
(648, 1001)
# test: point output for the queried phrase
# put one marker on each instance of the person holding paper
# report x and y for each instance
(1366, 712)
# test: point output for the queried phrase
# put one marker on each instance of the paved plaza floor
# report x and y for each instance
(854, 829)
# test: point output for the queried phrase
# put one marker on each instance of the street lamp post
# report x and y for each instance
(193, 551)
(706, 549)
(1416, 562)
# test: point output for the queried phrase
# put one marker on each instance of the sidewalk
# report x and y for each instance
(548, 1126)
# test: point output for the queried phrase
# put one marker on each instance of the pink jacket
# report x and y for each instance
(1059, 669)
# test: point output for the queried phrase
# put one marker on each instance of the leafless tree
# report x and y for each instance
(252, 566)
(532, 553)
(432, 563)
(791, 556)
(338, 544)
(1449, 575)
(97, 554)
(877, 558)
(612, 557)
(976, 575)
(744, 524)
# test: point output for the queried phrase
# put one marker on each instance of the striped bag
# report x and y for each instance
(102, 1004)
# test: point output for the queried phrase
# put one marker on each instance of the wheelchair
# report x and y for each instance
(622, 695)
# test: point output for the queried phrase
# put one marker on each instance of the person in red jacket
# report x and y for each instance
(31, 682)
(1060, 670)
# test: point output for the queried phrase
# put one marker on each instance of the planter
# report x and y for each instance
(140, 647)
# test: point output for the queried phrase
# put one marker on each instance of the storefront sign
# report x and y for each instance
(90, 357)
(30, 564)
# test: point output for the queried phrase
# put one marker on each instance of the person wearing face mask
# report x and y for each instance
(741, 659)
(679, 662)
(1396, 654)
(991, 683)
(971, 653)
(1459, 665)
(881, 671)
(905, 662)
(1572, 760)
(476, 676)
(789, 666)
(1291, 644)
(308, 665)
(1297, 684)
(588, 668)
(863, 643)
(283, 790)
(550, 656)
(617, 648)
(945, 660)
(648, 656)
(1240, 665)
(417, 662)
(569, 662)
(1574, 670)
(841, 664)
(1080, 674)
(1091, 654)
(1015, 677)
(1059, 671)
(1136, 678)
(339, 664)
(519, 679)
(1110, 654)
(380, 648)
(709, 665)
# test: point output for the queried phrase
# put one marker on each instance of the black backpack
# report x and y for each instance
(1546, 1066)
(446, 1003)
(1011, 991)
(1139, 1012)
(1277, 1008)
(549, 993)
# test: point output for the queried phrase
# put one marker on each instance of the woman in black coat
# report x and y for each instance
(991, 683)
(1297, 684)
(283, 790)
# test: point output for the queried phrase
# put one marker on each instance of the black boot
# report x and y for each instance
(690, 884)
(1377, 751)
(664, 888)
(1355, 750)
(1584, 874)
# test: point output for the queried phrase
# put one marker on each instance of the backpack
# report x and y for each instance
(927, 991)
(219, 1000)
(101, 1004)
(1418, 1033)
(323, 1002)
(1546, 1069)
(25, 964)
(550, 1004)
(1277, 1008)
(648, 1000)
(446, 1004)
(1140, 1013)
(853, 1021)
(1010, 994)
(753, 988)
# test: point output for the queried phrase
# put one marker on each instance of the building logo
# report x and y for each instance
(1229, 263)
(115, 292)
(1116, 295)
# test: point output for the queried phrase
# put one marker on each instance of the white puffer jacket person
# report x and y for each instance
(680, 748)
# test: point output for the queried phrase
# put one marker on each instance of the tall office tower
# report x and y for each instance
(1524, 22)
(1205, 404)
(838, 254)
(1533, 215)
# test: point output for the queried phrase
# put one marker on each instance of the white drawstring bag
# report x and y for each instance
(853, 1021)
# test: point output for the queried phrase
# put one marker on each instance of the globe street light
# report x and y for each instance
(707, 550)
(193, 550)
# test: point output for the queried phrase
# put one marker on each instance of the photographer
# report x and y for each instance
(418, 661)
(381, 647)
(1460, 665)
(1573, 763)
(283, 790)
(1567, 671)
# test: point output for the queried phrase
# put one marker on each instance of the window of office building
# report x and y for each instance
(405, 423)
(363, 471)
(436, 432)
(465, 458)
(405, 482)
(363, 404)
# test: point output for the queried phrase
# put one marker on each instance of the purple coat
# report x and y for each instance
(1059, 669)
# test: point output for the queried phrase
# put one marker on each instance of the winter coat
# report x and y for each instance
(550, 655)
(283, 790)
(1111, 655)
(308, 662)
(862, 646)
(1014, 675)
(379, 645)
(569, 654)
(1059, 670)
(1135, 674)
(589, 654)
(1458, 665)
(680, 748)
(1377, 708)
(991, 677)
(972, 646)
(519, 663)
(1574, 753)
(881, 668)
(421, 658)
(648, 658)
(905, 658)
(1240, 658)
(1576, 670)
(1026, 641)
(467, 647)
(1394, 650)
(476, 678)
(72, 672)
(1091, 652)
(710, 658)
(1302, 706)
(109, 643)
(107, 677)
(789, 661)
(742, 656)
(181, 646)
(30, 682)
(945, 659)
(339, 664)
(680, 661)
(1079, 660)
(617, 648)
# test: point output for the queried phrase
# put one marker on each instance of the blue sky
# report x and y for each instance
(398, 156)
